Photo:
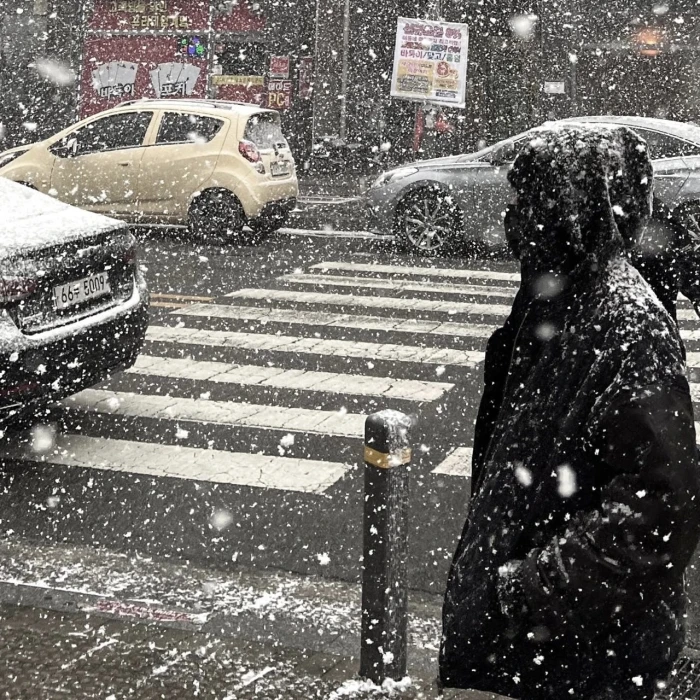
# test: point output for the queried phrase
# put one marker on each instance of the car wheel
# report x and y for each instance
(429, 222)
(215, 213)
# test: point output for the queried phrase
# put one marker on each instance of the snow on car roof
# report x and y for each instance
(681, 130)
(31, 220)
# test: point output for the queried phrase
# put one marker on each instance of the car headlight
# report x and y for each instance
(393, 175)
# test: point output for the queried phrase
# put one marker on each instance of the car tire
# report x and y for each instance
(263, 229)
(429, 222)
(215, 213)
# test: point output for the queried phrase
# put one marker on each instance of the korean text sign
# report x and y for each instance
(430, 62)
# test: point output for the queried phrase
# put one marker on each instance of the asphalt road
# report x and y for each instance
(238, 435)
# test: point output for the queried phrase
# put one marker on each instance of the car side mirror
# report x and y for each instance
(503, 156)
(66, 148)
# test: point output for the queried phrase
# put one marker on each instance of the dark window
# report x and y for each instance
(118, 131)
(244, 59)
(665, 146)
(264, 130)
(187, 128)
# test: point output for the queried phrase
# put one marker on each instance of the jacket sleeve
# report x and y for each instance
(646, 526)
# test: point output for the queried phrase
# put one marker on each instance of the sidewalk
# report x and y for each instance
(81, 623)
(78, 623)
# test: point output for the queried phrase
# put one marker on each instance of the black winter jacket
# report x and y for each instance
(568, 578)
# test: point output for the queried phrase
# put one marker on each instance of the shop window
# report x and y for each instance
(116, 132)
(665, 146)
(244, 59)
(187, 128)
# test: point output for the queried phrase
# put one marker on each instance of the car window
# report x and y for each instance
(665, 146)
(264, 130)
(187, 128)
(508, 152)
(115, 132)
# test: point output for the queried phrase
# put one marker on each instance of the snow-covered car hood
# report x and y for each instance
(31, 221)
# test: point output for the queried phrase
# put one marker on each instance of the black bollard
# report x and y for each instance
(384, 571)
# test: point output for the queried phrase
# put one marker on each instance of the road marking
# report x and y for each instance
(315, 346)
(336, 320)
(217, 466)
(692, 359)
(166, 304)
(219, 412)
(427, 271)
(180, 297)
(457, 463)
(398, 285)
(448, 307)
(252, 375)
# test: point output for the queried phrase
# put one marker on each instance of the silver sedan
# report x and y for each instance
(437, 206)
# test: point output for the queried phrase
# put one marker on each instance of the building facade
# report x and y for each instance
(326, 64)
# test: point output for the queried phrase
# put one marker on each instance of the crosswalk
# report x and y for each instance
(270, 387)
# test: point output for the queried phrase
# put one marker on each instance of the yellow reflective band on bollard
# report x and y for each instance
(385, 460)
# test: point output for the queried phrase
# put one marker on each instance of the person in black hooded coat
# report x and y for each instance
(568, 577)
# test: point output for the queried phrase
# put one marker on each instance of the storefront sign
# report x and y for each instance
(244, 80)
(162, 15)
(279, 67)
(174, 79)
(279, 94)
(430, 62)
(306, 76)
(107, 77)
(555, 87)
(115, 79)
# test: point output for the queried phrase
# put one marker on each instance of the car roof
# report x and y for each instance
(681, 130)
(205, 106)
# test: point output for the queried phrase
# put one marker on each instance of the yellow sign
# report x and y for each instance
(247, 80)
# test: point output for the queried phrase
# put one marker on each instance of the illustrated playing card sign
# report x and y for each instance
(114, 79)
(174, 79)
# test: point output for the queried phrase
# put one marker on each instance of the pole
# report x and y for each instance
(387, 457)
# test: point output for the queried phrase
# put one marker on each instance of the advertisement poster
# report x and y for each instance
(430, 62)
(109, 77)
(306, 77)
(279, 67)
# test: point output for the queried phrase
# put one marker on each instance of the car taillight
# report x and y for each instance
(14, 289)
(249, 151)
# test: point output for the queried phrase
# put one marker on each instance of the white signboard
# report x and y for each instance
(555, 87)
(430, 62)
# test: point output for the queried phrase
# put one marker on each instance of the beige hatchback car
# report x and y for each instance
(214, 166)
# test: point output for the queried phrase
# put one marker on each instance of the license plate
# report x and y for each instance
(82, 290)
(277, 169)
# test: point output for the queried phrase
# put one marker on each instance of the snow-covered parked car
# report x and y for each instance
(73, 303)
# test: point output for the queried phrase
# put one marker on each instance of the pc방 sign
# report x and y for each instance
(430, 62)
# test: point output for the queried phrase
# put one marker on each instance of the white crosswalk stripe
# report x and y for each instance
(399, 285)
(373, 302)
(419, 271)
(180, 462)
(250, 357)
(219, 412)
(315, 346)
(335, 320)
(252, 375)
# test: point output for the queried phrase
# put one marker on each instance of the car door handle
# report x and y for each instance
(124, 163)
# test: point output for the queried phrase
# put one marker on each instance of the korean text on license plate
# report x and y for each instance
(82, 290)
